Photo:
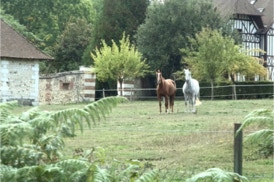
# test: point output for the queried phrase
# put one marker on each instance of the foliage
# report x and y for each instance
(40, 159)
(50, 22)
(119, 62)
(47, 19)
(113, 18)
(166, 28)
(245, 90)
(212, 55)
(71, 45)
(217, 175)
(263, 138)
(31, 142)
(131, 170)
(9, 19)
(118, 16)
(82, 169)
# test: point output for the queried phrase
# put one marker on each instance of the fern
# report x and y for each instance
(262, 117)
(51, 145)
(217, 175)
(263, 138)
(20, 156)
(93, 111)
(5, 110)
(46, 131)
(97, 174)
(148, 176)
(14, 133)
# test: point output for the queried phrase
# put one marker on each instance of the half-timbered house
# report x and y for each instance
(266, 7)
(253, 19)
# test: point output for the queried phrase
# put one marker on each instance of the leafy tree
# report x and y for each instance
(217, 175)
(119, 62)
(264, 138)
(114, 18)
(212, 55)
(71, 45)
(166, 28)
(48, 19)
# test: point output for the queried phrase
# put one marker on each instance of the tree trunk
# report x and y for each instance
(234, 94)
(212, 89)
(120, 80)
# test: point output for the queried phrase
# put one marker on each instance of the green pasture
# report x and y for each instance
(179, 144)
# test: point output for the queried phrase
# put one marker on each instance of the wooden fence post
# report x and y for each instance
(238, 152)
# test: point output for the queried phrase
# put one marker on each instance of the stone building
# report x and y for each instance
(19, 67)
(67, 87)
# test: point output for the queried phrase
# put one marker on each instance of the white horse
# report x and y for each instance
(191, 91)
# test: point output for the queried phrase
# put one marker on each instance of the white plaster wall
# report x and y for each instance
(19, 80)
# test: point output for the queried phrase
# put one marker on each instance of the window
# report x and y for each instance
(65, 86)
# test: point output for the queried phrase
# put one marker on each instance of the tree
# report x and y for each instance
(264, 138)
(71, 45)
(47, 19)
(119, 62)
(212, 55)
(166, 28)
(114, 18)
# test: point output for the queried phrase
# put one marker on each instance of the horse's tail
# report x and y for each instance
(198, 102)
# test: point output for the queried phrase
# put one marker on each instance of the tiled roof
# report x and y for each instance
(267, 8)
(14, 45)
(230, 7)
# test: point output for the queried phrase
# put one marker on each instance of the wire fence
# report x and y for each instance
(253, 91)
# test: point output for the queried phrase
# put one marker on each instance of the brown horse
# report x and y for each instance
(165, 88)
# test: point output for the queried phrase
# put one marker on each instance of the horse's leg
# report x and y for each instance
(186, 109)
(166, 103)
(190, 104)
(171, 103)
(160, 104)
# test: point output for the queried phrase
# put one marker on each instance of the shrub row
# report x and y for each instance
(244, 90)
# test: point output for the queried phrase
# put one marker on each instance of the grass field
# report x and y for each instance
(181, 144)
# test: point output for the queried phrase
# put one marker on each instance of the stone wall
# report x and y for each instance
(67, 87)
(19, 80)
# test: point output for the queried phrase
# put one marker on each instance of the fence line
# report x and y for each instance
(162, 131)
(140, 89)
(150, 93)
